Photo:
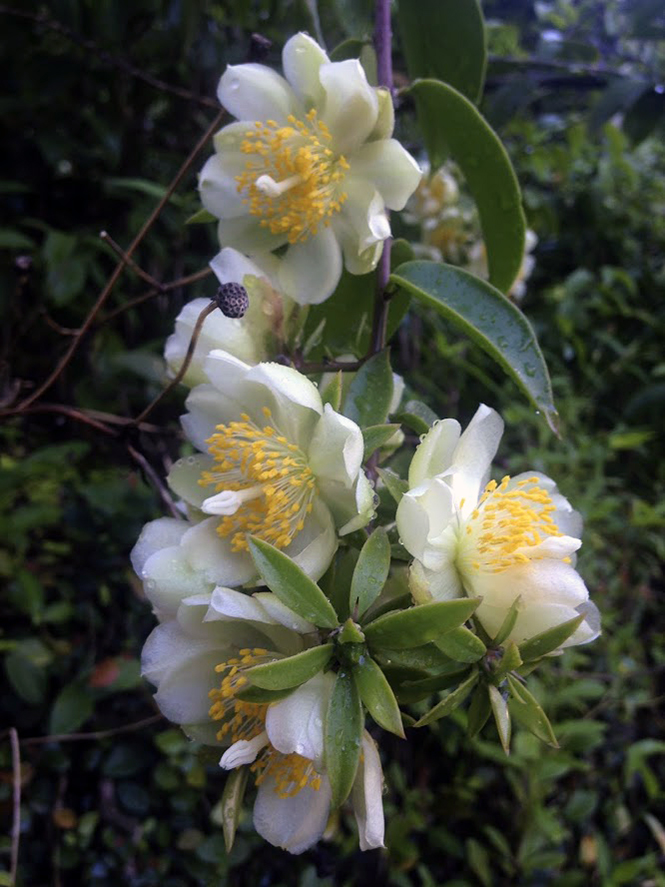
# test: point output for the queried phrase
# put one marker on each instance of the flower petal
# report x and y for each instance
(246, 234)
(169, 578)
(295, 723)
(473, 456)
(314, 547)
(390, 168)
(244, 751)
(364, 506)
(256, 92)
(282, 614)
(229, 604)
(302, 58)
(385, 122)
(443, 584)
(434, 454)
(218, 186)
(296, 823)
(336, 449)
(168, 647)
(155, 535)
(183, 694)
(310, 271)
(184, 476)
(367, 796)
(351, 106)
(213, 556)
(207, 408)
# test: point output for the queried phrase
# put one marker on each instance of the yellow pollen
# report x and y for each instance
(508, 522)
(293, 180)
(275, 486)
(246, 720)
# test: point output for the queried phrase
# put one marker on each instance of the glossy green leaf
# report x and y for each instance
(368, 399)
(418, 625)
(371, 572)
(547, 641)
(417, 416)
(376, 436)
(377, 695)
(527, 712)
(427, 658)
(414, 691)
(445, 39)
(452, 701)
(258, 695)
(479, 710)
(489, 319)
(200, 218)
(501, 716)
(72, 707)
(291, 585)
(461, 645)
(510, 661)
(452, 126)
(292, 671)
(395, 485)
(508, 623)
(343, 736)
(232, 798)
(332, 393)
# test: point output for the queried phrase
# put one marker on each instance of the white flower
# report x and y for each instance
(252, 338)
(309, 165)
(515, 540)
(278, 465)
(197, 661)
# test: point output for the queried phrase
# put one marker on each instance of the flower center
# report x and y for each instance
(293, 180)
(246, 721)
(508, 521)
(263, 483)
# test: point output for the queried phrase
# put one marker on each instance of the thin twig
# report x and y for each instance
(98, 734)
(154, 478)
(16, 817)
(158, 291)
(200, 320)
(118, 250)
(106, 291)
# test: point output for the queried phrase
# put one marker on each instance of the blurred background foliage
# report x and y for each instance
(103, 101)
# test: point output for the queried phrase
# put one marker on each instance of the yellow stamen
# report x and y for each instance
(293, 180)
(263, 483)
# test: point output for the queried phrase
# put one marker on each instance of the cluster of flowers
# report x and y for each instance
(310, 169)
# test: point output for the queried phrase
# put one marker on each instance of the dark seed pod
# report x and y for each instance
(232, 299)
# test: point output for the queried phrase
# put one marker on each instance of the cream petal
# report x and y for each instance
(256, 92)
(364, 212)
(443, 584)
(473, 456)
(231, 266)
(218, 186)
(310, 271)
(423, 515)
(314, 547)
(412, 523)
(246, 234)
(184, 476)
(364, 506)
(542, 616)
(229, 604)
(434, 454)
(244, 751)
(296, 823)
(385, 122)
(390, 168)
(155, 535)
(295, 723)
(213, 556)
(207, 408)
(302, 58)
(183, 694)
(168, 647)
(367, 796)
(351, 106)
(282, 614)
(169, 578)
(542, 581)
(336, 449)
(230, 137)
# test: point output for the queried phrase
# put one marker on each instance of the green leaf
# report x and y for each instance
(461, 645)
(418, 625)
(479, 710)
(343, 737)
(292, 671)
(501, 716)
(291, 585)
(72, 707)
(201, 217)
(232, 798)
(543, 643)
(508, 623)
(371, 390)
(427, 658)
(27, 679)
(452, 701)
(451, 125)
(332, 393)
(395, 485)
(445, 39)
(489, 319)
(376, 693)
(371, 572)
(256, 694)
(413, 691)
(417, 416)
(510, 660)
(376, 436)
(527, 712)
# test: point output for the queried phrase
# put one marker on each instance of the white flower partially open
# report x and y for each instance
(502, 542)
(198, 660)
(278, 464)
(309, 165)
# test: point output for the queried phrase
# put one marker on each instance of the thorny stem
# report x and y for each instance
(108, 288)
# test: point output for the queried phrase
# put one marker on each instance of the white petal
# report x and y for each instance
(540, 617)
(244, 751)
(183, 694)
(367, 796)
(232, 604)
(246, 234)
(390, 168)
(294, 400)
(336, 448)
(183, 478)
(385, 122)
(412, 524)
(208, 407)
(213, 556)
(279, 612)
(169, 578)
(256, 92)
(423, 515)
(443, 584)
(301, 59)
(351, 105)
(295, 723)
(168, 647)
(365, 213)
(473, 455)
(218, 186)
(155, 535)
(309, 272)
(231, 266)
(314, 547)
(364, 506)
(435, 452)
(294, 824)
